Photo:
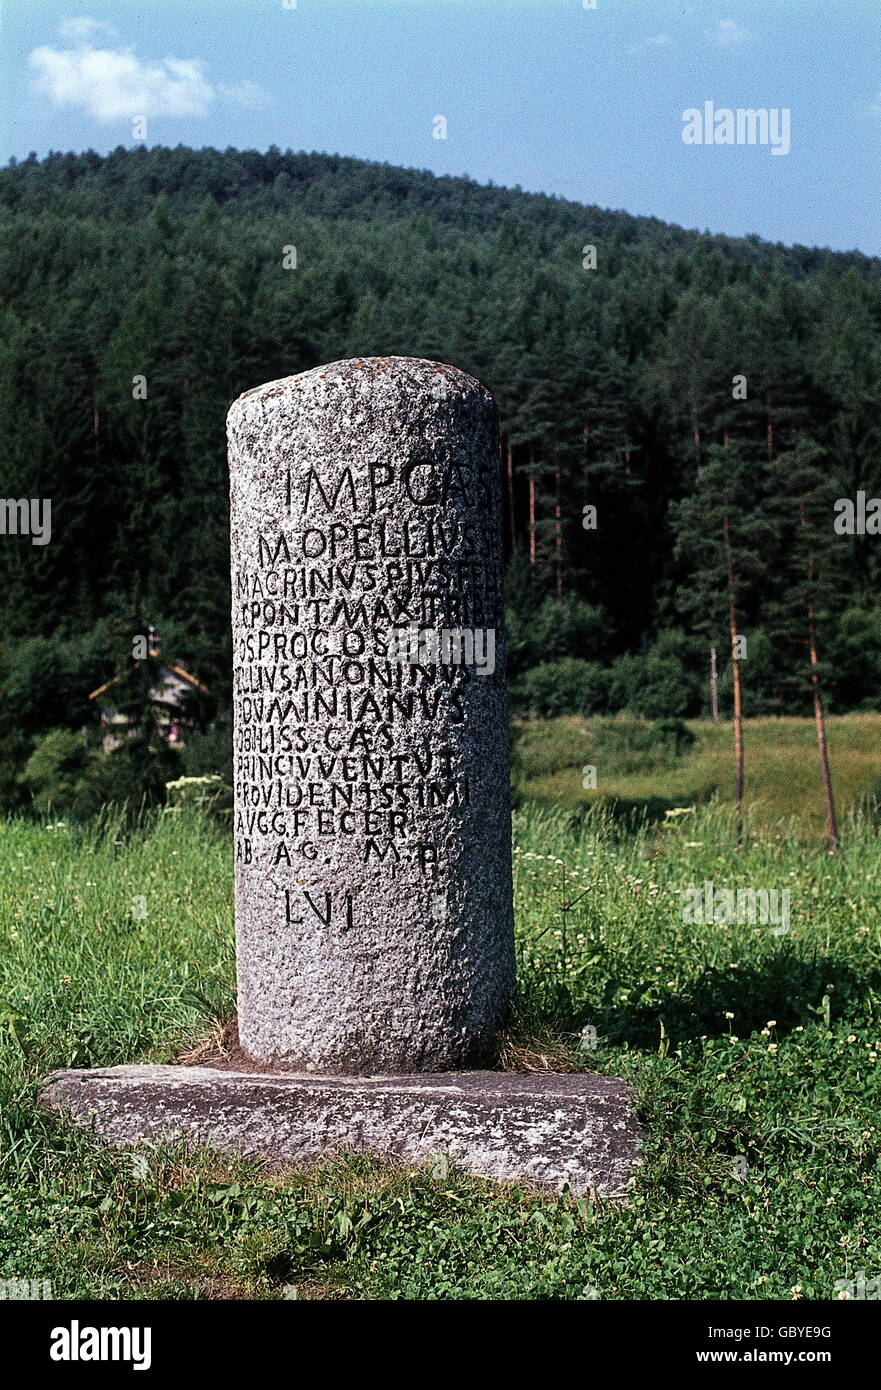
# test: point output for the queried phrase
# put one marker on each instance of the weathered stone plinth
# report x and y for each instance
(544, 1130)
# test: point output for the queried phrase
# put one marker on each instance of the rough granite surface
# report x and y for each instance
(544, 1130)
(372, 813)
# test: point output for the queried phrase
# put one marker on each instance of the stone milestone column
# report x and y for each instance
(372, 812)
(373, 865)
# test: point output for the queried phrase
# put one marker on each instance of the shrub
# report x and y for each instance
(57, 775)
(554, 629)
(660, 683)
(569, 686)
(66, 773)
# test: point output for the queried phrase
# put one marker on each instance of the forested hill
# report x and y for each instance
(127, 183)
(615, 384)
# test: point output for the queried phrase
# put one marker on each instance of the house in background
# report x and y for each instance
(170, 696)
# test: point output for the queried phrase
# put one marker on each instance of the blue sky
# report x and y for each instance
(586, 103)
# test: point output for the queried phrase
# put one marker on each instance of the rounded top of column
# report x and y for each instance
(376, 376)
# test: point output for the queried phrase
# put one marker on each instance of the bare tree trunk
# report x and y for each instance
(509, 456)
(819, 717)
(738, 694)
(558, 535)
(738, 712)
(531, 507)
(822, 746)
(714, 686)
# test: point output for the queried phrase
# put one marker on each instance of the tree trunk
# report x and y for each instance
(822, 747)
(509, 456)
(819, 717)
(558, 535)
(714, 686)
(738, 712)
(531, 507)
(735, 674)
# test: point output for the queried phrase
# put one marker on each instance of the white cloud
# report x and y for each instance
(727, 33)
(112, 84)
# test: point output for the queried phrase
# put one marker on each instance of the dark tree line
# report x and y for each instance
(682, 388)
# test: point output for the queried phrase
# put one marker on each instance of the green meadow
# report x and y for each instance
(754, 1053)
(782, 771)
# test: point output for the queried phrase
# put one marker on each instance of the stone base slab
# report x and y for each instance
(544, 1130)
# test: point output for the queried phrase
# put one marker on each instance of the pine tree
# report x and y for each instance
(812, 560)
(723, 536)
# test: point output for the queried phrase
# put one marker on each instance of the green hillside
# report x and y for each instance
(142, 291)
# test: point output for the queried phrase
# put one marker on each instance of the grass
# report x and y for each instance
(782, 771)
(750, 1053)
